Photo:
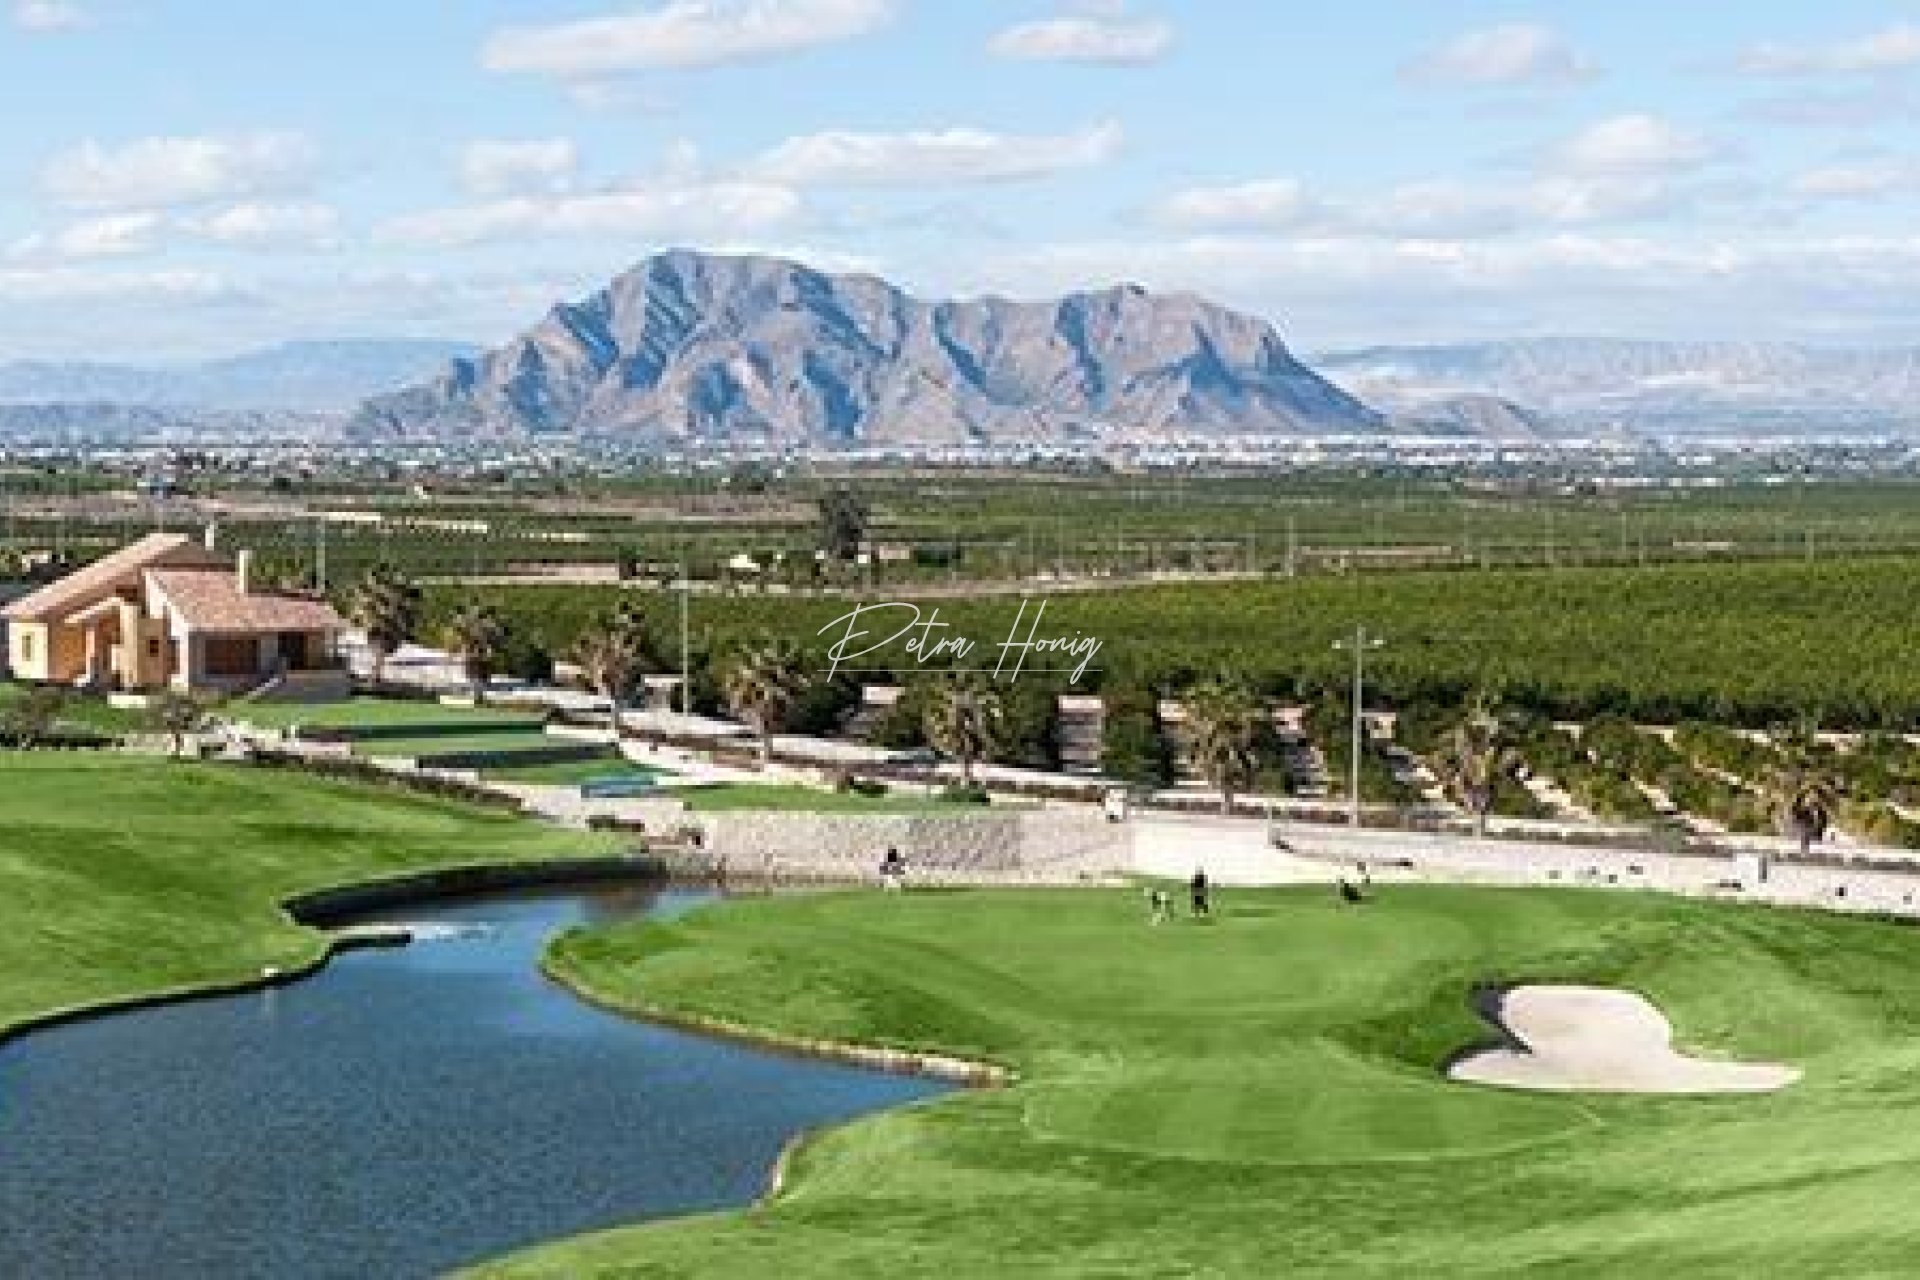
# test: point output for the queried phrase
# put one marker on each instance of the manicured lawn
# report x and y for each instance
(502, 741)
(1260, 1096)
(122, 876)
(772, 796)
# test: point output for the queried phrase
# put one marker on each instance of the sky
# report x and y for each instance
(185, 178)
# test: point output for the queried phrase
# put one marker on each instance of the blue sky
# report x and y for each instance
(191, 177)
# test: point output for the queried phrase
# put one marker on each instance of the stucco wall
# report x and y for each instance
(58, 653)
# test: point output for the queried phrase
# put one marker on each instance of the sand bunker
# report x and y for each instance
(1595, 1040)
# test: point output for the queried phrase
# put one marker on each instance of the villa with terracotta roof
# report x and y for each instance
(171, 612)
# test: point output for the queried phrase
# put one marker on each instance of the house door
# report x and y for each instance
(292, 650)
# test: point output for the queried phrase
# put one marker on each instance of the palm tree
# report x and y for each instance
(1225, 723)
(843, 524)
(385, 605)
(1805, 798)
(762, 686)
(1473, 756)
(964, 720)
(177, 715)
(477, 635)
(612, 655)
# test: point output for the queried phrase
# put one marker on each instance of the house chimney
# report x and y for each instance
(212, 535)
(243, 571)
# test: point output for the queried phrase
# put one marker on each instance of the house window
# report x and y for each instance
(26, 647)
(153, 646)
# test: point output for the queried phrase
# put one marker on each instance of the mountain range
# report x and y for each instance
(1652, 388)
(293, 377)
(694, 347)
(711, 350)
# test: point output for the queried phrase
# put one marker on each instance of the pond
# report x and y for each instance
(399, 1113)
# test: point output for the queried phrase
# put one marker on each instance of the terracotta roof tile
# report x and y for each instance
(211, 600)
(81, 587)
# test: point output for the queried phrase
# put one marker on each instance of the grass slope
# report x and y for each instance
(122, 877)
(375, 713)
(1259, 1097)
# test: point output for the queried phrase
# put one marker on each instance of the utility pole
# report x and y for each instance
(1359, 644)
(320, 556)
(686, 659)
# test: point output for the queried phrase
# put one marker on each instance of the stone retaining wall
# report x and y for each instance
(1040, 846)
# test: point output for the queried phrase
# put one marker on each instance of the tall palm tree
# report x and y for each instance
(1472, 758)
(964, 720)
(1805, 803)
(612, 655)
(762, 686)
(385, 605)
(1804, 797)
(477, 635)
(843, 524)
(1225, 723)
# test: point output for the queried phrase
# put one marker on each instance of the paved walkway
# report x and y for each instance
(1237, 852)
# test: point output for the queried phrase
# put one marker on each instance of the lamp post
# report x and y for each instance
(1360, 642)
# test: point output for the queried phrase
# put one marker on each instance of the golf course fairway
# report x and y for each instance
(1262, 1095)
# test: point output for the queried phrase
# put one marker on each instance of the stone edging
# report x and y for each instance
(966, 1072)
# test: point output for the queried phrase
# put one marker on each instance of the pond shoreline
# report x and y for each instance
(312, 909)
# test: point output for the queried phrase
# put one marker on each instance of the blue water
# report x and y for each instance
(400, 1113)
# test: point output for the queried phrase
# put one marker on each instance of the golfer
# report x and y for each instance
(1200, 893)
(893, 871)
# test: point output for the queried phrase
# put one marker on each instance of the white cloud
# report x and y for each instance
(161, 172)
(1631, 144)
(1427, 209)
(499, 167)
(1857, 180)
(1263, 204)
(242, 226)
(663, 210)
(42, 16)
(1895, 49)
(1339, 289)
(256, 225)
(1513, 54)
(64, 284)
(946, 156)
(1106, 39)
(113, 235)
(682, 34)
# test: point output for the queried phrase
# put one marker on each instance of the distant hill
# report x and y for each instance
(697, 347)
(296, 376)
(1663, 388)
(1474, 416)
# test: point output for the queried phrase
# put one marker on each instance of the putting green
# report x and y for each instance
(1262, 1096)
